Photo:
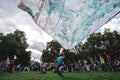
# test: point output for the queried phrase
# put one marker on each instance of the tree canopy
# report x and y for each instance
(97, 44)
(14, 44)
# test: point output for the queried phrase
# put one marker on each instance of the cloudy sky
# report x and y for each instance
(12, 18)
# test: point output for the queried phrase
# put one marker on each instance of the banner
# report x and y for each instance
(70, 21)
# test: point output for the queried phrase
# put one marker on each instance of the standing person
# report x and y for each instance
(69, 66)
(87, 64)
(97, 65)
(116, 64)
(18, 67)
(108, 58)
(59, 64)
(81, 65)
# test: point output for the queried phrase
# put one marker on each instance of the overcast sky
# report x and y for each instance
(12, 18)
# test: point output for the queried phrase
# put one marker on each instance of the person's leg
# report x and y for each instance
(59, 70)
(88, 67)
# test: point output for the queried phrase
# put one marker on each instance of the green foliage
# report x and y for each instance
(97, 44)
(46, 56)
(14, 44)
(101, 44)
(51, 51)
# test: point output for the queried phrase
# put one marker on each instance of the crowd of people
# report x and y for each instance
(7, 67)
(82, 65)
(85, 65)
(59, 66)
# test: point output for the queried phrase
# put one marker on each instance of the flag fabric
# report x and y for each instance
(102, 60)
(70, 21)
(8, 61)
(61, 50)
(108, 58)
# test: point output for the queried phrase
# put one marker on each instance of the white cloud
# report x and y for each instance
(113, 24)
(13, 18)
(37, 46)
(36, 55)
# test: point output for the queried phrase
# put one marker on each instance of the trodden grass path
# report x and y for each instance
(68, 76)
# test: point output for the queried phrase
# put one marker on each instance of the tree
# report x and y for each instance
(46, 56)
(100, 44)
(97, 44)
(112, 43)
(51, 51)
(15, 44)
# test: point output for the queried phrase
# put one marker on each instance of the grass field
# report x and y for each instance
(68, 76)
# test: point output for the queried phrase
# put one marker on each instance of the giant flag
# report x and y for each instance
(70, 21)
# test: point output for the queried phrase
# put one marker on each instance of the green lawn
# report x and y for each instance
(68, 76)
